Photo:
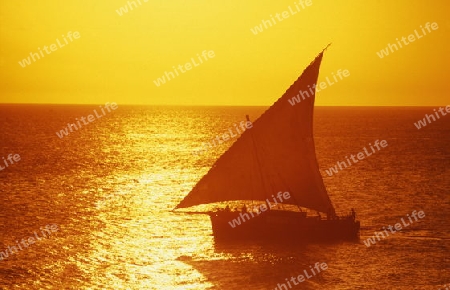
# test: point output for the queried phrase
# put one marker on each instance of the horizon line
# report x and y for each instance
(181, 105)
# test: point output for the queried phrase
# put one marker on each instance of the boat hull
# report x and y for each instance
(282, 225)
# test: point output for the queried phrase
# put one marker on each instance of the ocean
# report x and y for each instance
(97, 203)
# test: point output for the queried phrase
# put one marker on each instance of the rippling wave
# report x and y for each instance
(111, 187)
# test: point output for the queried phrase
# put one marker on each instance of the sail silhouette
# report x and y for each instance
(276, 154)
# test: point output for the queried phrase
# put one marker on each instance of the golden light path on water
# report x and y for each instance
(148, 238)
(148, 242)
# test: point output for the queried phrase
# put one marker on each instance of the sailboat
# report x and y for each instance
(274, 163)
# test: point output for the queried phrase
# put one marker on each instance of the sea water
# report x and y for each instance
(110, 188)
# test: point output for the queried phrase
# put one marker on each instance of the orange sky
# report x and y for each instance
(117, 58)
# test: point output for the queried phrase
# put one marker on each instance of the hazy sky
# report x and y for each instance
(117, 58)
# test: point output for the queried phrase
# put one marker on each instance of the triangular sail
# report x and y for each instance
(276, 154)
